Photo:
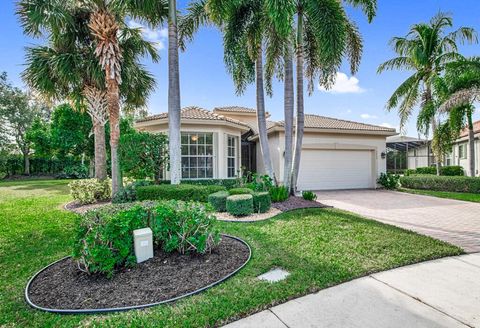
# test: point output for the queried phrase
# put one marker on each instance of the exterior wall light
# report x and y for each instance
(383, 155)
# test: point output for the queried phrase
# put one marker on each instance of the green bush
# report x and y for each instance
(185, 192)
(219, 200)
(410, 172)
(261, 201)
(104, 237)
(240, 191)
(388, 180)
(442, 183)
(89, 191)
(452, 171)
(309, 195)
(278, 194)
(129, 192)
(426, 170)
(227, 183)
(240, 205)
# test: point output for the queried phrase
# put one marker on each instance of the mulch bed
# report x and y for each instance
(166, 276)
(76, 207)
(294, 203)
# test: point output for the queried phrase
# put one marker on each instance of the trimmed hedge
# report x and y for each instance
(185, 192)
(227, 183)
(240, 205)
(219, 200)
(442, 183)
(240, 191)
(261, 202)
(444, 170)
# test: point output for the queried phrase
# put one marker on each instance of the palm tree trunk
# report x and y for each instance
(100, 150)
(173, 96)
(300, 104)
(429, 98)
(261, 117)
(471, 143)
(114, 116)
(288, 109)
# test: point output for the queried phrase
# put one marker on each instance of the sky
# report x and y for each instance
(205, 83)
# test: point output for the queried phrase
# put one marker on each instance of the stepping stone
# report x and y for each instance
(274, 275)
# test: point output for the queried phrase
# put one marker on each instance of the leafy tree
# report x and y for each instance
(18, 111)
(425, 50)
(39, 135)
(143, 154)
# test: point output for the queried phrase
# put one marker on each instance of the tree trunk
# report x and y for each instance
(300, 104)
(100, 150)
(261, 118)
(173, 96)
(471, 143)
(437, 159)
(26, 163)
(114, 115)
(288, 109)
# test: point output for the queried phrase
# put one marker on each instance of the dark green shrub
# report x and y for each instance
(452, 171)
(185, 192)
(219, 200)
(129, 192)
(104, 237)
(227, 183)
(240, 205)
(278, 194)
(426, 170)
(240, 191)
(388, 181)
(309, 195)
(261, 201)
(74, 172)
(442, 183)
(410, 172)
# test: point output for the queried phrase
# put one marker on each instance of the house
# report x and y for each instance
(405, 152)
(336, 154)
(419, 152)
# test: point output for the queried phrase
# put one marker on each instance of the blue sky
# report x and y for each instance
(205, 83)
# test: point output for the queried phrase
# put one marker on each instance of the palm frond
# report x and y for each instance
(354, 46)
(461, 98)
(369, 7)
(396, 63)
(189, 24)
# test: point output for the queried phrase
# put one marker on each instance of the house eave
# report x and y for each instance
(164, 121)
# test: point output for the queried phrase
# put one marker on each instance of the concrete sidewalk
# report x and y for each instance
(439, 293)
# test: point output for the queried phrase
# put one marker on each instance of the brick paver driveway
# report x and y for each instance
(453, 221)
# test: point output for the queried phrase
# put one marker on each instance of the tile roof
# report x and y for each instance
(476, 129)
(235, 109)
(194, 112)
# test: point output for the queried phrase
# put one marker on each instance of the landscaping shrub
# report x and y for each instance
(452, 171)
(426, 170)
(410, 172)
(104, 237)
(240, 205)
(442, 183)
(278, 194)
(184, 192)
(227, 183)
(129, 192)
(309, 195)
(218, 200)
(388, 180)
(261, 201)
(74, 172)
(89, 191)
(240, 191)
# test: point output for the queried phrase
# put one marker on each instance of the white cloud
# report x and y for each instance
(344, 84)
(368, 116)
(158, 37)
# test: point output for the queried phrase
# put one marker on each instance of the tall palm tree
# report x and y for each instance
(426, 49)
(67, 68)
(243, 24)
(463, 83)
(174, 106)
(318, 43)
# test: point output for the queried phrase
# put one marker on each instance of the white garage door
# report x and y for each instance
(335, 169)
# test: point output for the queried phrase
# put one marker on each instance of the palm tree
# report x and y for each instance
(317, 43)
(243, 25)
(173, 96)
(67, 68)
(463, 85)
(426, 49)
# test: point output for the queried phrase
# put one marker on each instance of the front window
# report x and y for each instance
(231, 156)
(462, 151)
(197, 155)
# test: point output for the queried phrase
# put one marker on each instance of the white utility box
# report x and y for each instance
(143, 242)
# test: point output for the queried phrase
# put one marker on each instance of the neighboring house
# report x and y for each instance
(408, 153)
(336, 154)
(418, 149)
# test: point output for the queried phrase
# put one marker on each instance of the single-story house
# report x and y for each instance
(336, 154)
(420, 154)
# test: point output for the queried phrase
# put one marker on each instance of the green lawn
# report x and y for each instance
(465, 196)
(320, 247)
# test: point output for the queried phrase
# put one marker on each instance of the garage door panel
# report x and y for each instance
(335, 169)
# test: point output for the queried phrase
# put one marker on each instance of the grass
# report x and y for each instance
(465, 196)
(319, 247)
